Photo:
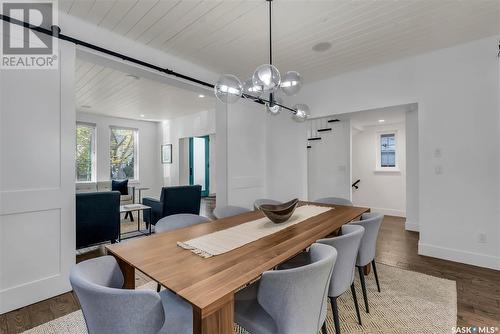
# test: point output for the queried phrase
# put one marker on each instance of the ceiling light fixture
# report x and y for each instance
(322, 47)
(381, 120)
(201, 96)
(265, 80)
(142, 115)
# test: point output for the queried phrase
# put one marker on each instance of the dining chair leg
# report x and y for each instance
(335, 311)
(158, 287)
(375, 273)
(355, 299)
(323, 328)
(363, 287)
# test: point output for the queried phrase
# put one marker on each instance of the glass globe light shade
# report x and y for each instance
(291, 83)
(302, 112)
(273, 108)
(228, 88)
(267, 76)
(251, 89)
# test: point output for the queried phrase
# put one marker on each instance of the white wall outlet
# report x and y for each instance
(482, 238)
(438, 169)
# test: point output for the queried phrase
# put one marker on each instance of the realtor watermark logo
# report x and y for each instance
(474, 330)
(27, 48)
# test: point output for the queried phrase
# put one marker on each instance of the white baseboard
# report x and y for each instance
(412, 226)
(386, 212)
(455, 255)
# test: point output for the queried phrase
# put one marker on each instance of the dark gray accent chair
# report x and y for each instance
(173, 200)
(97, 218)
(367, 248)
(288, 301)
(109, 309)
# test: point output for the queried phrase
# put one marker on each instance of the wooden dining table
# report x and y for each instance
(209, 284)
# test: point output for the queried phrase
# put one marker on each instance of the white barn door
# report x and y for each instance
(37, 203)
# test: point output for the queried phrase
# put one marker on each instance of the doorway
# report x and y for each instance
(199, 163)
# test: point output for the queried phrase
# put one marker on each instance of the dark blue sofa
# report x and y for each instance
(97, 217)
(173, 200)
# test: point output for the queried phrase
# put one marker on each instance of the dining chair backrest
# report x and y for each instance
(296, 298)
(334, 201)
(260, 201)
(181, 220)
(228, 211)
(367, 249)
(347, 246)
(109, 309)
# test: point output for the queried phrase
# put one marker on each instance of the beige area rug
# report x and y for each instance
(409, 303)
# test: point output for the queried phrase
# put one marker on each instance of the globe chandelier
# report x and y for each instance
(266, 81)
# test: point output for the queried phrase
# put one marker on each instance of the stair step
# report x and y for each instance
(325, 129)
(314, 138)
(333, 120)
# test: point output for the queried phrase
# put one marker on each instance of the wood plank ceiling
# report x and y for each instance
(231, 36)
(106, 91)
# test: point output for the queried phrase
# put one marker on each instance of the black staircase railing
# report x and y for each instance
(355, 184)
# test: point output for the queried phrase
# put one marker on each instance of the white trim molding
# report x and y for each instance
(412, 226)
(455, 255)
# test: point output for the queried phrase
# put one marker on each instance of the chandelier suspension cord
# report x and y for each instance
(271, 95)
(270, 33)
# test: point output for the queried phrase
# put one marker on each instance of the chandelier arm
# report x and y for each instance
(262, 100)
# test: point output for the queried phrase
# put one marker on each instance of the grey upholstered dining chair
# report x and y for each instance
(228, 211)
(288, 301)
(334, 201)
(347, 245)
(180, 220)
(367, 249)
(109, 309)
(260, 201)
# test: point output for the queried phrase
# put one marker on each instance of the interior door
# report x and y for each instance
(37, 182)
(199, 168)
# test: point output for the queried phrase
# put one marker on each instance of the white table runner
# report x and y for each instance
(223, 241)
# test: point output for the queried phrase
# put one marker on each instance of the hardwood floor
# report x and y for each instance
(478, 289)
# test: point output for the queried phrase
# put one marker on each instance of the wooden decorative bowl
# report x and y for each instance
(279, 213)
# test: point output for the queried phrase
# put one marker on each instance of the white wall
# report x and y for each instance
(37, 175)
(286, 157)
(382, 191)
(149, 151)
(174, 132)
(329, 166)
(457, 94)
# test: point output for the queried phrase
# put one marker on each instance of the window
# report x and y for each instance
(388, 150)
(85, 152)
(123, 153)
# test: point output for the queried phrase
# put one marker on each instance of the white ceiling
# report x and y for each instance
(360, 120)
(112, 92)
(231, 36)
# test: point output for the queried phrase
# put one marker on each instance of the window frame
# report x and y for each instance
(135, 179)
(378, 160)
(93, 144)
